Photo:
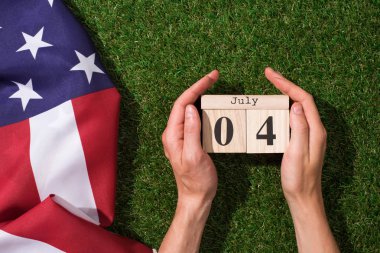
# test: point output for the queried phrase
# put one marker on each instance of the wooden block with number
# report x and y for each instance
(224, 131)
(245, 123)
(267, 131)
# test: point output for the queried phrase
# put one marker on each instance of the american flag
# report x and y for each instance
(58, 135)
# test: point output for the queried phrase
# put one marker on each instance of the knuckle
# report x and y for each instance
(165, 145)
(163, 138)
(322, 136)
(194, 158)
(309, 97)
(300, 126)
(287, 89)
(303, 127)
(324, 133)
(166, 154)
(295, 154)
(177, 103)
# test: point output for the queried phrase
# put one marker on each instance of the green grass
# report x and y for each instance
(153, 50)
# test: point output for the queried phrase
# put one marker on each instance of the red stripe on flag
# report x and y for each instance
(97, 117)
(50, 223)
(18, 192)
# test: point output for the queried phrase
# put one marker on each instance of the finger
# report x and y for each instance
(299, 141)
(286, 86)
(198, 88)
(310, 109)
(295, 93)
(177, 115)
(192, 130)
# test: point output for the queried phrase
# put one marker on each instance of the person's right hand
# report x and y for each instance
(301, 169)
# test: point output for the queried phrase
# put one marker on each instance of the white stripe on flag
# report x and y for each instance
(72, 209)
(58, 159)
(15, 244)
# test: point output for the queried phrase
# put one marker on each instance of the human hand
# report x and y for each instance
(301, 169)
(194, 171)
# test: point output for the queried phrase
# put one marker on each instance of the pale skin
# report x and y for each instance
(196, 176)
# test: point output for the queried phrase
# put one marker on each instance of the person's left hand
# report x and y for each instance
(194, 171)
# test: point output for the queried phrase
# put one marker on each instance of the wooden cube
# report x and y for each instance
(267, 131)
(224, 131)
(245, 123)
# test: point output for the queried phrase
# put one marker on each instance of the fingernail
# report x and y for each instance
(297, 109)
(211, 75)
(276, 73)
(189, 111)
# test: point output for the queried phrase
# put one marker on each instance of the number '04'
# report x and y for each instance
(269, 136)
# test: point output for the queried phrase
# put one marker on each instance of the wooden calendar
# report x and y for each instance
(245, 123)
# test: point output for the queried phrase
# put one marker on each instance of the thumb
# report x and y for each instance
(299, 141)
(192, 129)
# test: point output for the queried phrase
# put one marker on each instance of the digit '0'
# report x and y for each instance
(218, 131)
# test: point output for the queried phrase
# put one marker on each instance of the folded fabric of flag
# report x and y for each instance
(58, 135)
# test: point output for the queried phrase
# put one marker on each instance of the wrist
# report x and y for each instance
(193, 210)
(307, 209)
(311, 225)
(185, 232)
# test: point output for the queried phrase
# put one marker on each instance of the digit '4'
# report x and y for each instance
(269, 136)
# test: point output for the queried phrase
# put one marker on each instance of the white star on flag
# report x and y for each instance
(33, 43)
(25, 93)
(87, 64)
(51, 2)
